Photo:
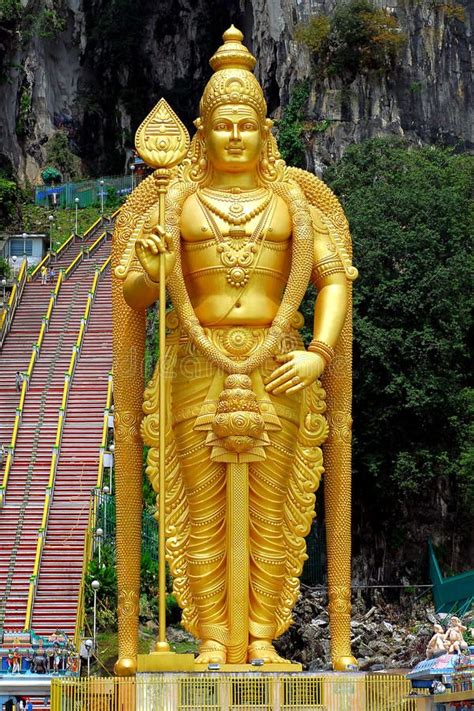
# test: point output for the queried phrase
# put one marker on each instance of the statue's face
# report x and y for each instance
(234, 138)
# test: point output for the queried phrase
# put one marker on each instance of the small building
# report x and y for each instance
(14, 247)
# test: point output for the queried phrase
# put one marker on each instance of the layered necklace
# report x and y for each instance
(235, 213)
(237, 251)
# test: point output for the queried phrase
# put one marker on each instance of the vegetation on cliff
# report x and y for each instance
(358, 38)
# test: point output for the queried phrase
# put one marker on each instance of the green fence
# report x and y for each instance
(89, 192)
(106, 521)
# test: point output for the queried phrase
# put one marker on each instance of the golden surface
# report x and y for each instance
(240, 407)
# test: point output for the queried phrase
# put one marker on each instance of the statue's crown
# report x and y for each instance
(232, 54)
(233, 81)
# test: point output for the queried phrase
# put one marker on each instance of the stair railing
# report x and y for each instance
(15, 296)
(92, 520)
(67, 242)
(105, 429)
(68, 378)
(86, 252)
(43, 263)
(86, 556)
(35, 351)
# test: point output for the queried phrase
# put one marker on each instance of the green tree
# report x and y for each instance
(61, 157)
(359, 37)
(9, 200)
(291, 127)
(409, 212)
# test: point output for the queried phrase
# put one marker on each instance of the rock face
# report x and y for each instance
(108, 62)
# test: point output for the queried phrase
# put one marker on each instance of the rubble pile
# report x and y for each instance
(384, 635)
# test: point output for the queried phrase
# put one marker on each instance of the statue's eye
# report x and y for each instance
(221, 126)
(249, 126)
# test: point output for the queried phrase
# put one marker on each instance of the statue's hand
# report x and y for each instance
(298, 370)
(152, 247)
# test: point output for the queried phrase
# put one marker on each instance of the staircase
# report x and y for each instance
(21, 516)
(61, 565)
(16, 350)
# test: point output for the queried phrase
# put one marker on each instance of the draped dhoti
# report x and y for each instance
(281, 483)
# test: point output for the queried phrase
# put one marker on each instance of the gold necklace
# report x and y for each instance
(237, 253)
(236, 194)
(235, 214)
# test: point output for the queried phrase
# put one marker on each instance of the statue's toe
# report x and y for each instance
(211, 652)
(263, 649)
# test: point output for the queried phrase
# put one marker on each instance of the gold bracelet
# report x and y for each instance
(149, 282)
(323, 349)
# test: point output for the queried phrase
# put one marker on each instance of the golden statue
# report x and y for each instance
(237, 235)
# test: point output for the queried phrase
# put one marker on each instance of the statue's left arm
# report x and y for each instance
(301, 368)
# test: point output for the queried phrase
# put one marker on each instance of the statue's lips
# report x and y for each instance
(235, 151)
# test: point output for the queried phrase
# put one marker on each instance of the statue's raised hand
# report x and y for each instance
(153, 246)
(298, 370)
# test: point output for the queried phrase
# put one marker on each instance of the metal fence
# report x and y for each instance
(252, 691)
(89, 192)
(105, 507)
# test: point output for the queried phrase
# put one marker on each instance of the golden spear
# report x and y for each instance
(162, 141)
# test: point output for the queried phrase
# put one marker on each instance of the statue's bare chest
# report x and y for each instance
(205, 218)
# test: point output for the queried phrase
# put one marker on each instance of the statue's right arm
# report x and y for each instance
(141, 288)
(139, 292)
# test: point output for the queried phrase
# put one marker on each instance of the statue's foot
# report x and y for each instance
(211, 652)
(264, 649)
(125, 666)
(348, 663)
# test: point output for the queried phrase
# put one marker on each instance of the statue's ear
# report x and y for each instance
(199, 124)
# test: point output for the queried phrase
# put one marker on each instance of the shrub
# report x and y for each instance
(291, 127)
(8, 200)
(360, 37)
(10, 10)
(315, 33)
(50, 24)
(5, 270)
(61, 157)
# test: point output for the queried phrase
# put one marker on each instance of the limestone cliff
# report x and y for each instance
(95, 67)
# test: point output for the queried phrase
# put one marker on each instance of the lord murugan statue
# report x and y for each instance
(246, 410)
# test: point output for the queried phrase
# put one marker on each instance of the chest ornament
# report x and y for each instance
(237, 250)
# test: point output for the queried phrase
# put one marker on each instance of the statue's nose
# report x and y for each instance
(235, 133)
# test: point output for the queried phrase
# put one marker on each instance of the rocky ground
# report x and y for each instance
(385, 635)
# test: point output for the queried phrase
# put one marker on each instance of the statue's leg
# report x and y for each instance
(268, 490)
(205, 484)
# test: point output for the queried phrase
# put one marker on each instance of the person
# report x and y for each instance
(242, 238)
(29, 705)
(18, 380)
(2, 454)
(44, 274)
(51, 274)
